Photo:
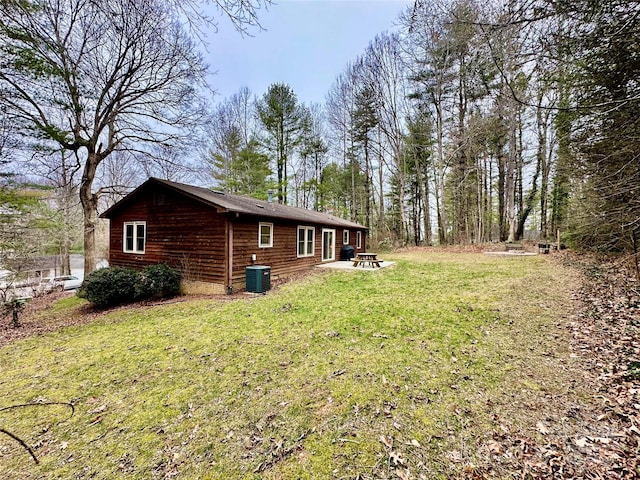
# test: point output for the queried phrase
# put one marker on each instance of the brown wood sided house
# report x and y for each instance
(211, 237)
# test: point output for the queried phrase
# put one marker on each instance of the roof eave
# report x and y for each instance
(174, 186)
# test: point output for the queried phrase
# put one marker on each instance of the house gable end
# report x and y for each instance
(156, 189)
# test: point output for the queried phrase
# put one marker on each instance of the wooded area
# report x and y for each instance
(474, 122)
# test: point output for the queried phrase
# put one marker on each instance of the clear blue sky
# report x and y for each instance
(307, 43)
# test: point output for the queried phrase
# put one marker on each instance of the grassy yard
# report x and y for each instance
(413, 371)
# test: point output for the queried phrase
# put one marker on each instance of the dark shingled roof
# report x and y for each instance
(245, 205)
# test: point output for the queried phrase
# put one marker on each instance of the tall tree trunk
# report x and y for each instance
(89, 201)
(354, 196)
(368, 181)
(502, 196)
(423, 194)
(480, 201)
(545, 151)
(531, 197)
(564, 160)
(428, 237)
(281, 168)
(439, 173)
(460, 191)
(510, 201)
(402, 188)
(520, 201)
(488, 208)
(511, 172)
(545, 193)
(316, 181)
(381, 224)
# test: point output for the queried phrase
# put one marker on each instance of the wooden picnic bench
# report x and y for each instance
(367, 258)
(546, 247)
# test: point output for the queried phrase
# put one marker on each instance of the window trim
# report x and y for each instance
(265, 245)
(135, 226)
(358, 239)
(345, 236)
(306, 229)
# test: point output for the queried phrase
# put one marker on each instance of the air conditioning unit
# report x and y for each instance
(258, 279)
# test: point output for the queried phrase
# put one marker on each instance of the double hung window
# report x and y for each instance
(306, 241)
(265, 235)
(135, 237)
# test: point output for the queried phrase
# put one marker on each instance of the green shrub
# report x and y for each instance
(108, 287)
(159, 281)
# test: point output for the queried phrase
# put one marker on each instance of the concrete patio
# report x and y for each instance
(348, 265)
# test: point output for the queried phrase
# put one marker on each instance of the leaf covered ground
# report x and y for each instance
(447, 365)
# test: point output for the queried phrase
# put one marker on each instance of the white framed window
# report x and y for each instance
(328, 244)
(265, 235)
(358, 239)
(345, 237)
(306, 241)
(134, 237)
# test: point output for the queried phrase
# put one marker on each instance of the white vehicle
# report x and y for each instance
(66, 282)
(6, 278)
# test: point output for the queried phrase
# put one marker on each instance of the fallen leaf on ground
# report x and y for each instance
(581, 442)
(386, 441)
(542, 428)
(403, 474)
(455, 456)
(495, 448)
(396, 458)
(99, 409)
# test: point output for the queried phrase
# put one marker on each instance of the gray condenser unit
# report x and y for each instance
(258, 279)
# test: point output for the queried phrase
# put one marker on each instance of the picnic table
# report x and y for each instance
(367, 258)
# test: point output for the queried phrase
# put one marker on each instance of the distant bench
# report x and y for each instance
(513, 246)
(546, 247)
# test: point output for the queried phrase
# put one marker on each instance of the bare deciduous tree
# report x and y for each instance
(94, 78)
